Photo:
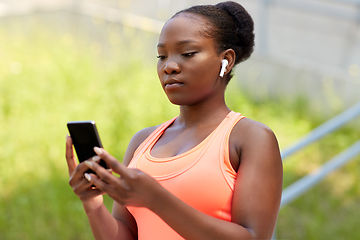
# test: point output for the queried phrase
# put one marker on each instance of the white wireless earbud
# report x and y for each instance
(223, 67)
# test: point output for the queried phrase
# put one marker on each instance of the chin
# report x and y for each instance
(182, 102)
(184, 99)
(178, 101)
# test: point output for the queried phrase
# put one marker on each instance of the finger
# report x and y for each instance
(78, 173)
(70, 157)
(112, 162)
(102, 173)
(83, 186)
(100, 185)
(85, 190)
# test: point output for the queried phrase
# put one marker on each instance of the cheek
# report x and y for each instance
(210, 63)
(159, 69)
(208, 70)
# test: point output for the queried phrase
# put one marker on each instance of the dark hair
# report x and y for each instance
(232, 27)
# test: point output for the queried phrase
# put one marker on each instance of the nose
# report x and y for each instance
(171, 67)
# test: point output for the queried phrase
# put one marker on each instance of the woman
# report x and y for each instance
(209, 173)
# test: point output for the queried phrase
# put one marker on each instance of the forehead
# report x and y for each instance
(184, 27)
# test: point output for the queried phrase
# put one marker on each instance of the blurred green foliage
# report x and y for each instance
(48, 78)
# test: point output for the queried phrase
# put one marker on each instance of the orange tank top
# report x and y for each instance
(201, 177)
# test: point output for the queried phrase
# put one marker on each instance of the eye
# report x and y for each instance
(161, 57)
(188, 55)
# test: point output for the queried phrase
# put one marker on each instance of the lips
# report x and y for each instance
(172, 84)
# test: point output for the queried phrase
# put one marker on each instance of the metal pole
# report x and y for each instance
(323, 129)
(301, 186)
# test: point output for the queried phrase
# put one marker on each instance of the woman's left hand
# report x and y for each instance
(132, 188)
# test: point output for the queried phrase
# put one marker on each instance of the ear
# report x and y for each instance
(229, 55)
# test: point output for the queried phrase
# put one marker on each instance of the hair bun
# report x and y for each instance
(244, 27)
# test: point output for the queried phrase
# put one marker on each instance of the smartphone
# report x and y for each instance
(85, 137)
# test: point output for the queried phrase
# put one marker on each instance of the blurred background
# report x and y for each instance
(72, 60)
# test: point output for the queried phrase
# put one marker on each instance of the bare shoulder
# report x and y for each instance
(253, 138)
(141, 135)
(252, 128)
(250, 132)
(135, 142)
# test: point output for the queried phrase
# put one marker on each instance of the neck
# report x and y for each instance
(202, 114)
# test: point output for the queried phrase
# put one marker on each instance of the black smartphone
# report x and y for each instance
(85, 137)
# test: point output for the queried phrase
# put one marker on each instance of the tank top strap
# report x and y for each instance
(228, 171)
(223, 131)
(234, 118)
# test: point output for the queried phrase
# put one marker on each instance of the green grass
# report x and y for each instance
(48, 78)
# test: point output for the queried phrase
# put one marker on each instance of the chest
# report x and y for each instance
(174, 142)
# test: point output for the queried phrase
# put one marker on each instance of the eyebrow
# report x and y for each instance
(162, 45)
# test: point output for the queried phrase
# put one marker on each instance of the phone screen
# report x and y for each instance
(85, 137)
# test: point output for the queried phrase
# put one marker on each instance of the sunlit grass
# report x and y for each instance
(48, 78)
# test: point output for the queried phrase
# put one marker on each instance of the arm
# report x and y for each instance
(258, 187)
(102, 223)
(252, 216)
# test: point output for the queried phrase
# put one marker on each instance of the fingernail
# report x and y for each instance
(95, 158)
(87, 176)
(88, 163)
(98, 150)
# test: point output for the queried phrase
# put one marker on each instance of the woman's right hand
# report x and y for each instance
(91, 197)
